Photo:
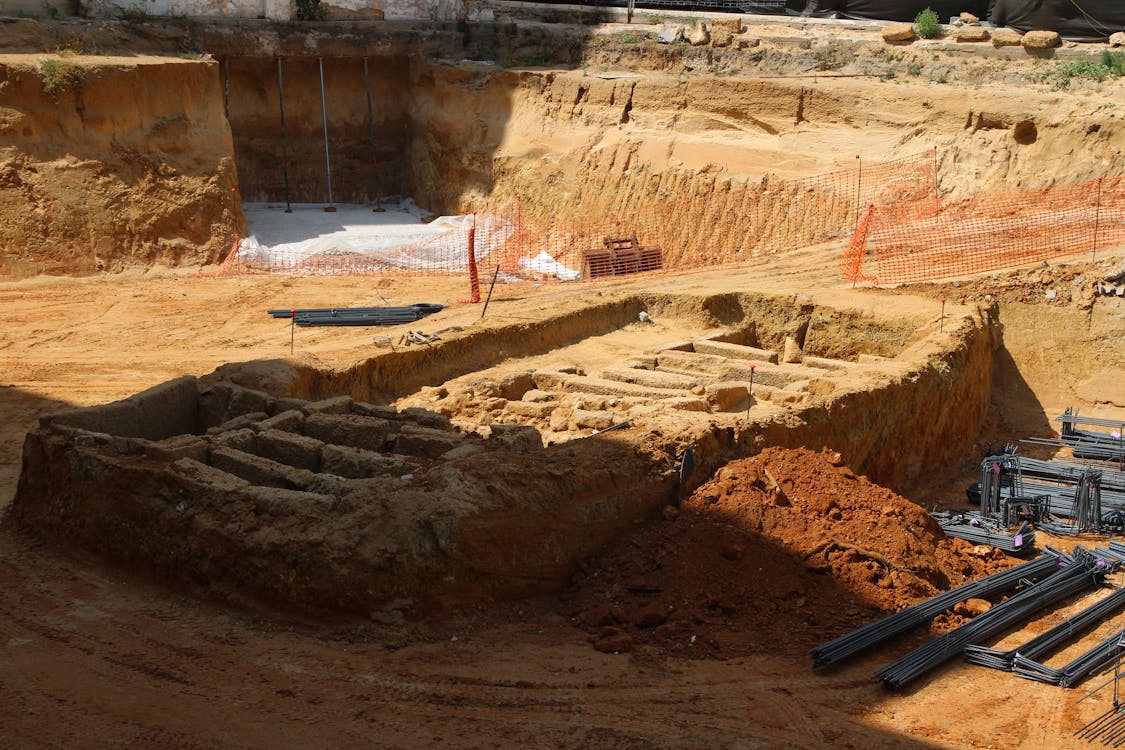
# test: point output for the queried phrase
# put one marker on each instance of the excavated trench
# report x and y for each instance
(493, 475)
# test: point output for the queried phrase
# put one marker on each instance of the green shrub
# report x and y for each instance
(311, 10)
(60, 76)
(1114, 63)
(926, 24)
(1060, 76)
(134, 14)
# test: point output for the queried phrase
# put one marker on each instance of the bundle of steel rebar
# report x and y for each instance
(1070, 472)
(1090, 448)
(1090, 663)
(1082, 571)
(1060, 497)
(874, 633)
(973, 528)
(358, 316)
(1090, 444)
(1109, 727)
(1048, 641)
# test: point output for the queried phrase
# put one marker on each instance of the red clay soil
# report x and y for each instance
(776, 553)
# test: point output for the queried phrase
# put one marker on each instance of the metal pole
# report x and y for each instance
(284, 143)
(750, 391)
(1097, 218)
(324, 115)
(371, 134)
(490, 288)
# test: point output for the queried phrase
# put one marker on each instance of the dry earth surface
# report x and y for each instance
(93, 655)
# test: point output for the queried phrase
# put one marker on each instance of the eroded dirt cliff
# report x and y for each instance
(108, 163)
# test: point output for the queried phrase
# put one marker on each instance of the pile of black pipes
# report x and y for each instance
(850, 644)
(1090, 663)
(358, 316)
(1051, 640)
(981, 531)
(1082, 571)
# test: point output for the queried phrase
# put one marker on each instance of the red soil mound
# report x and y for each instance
(777, 552)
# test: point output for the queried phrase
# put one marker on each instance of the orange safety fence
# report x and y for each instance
(934, 239)
(444, 252)
(727, 225)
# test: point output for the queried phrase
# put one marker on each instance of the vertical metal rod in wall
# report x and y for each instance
(324, 114)
(284, 143)
(371, 134)
(226, 86)
(1097, 219)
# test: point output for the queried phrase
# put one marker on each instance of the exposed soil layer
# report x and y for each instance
(127, 163)
(772, 554)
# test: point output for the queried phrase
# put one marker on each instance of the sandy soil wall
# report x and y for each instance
(129, 166)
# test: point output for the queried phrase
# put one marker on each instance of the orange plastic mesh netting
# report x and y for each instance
(928, 240)
(727, 225)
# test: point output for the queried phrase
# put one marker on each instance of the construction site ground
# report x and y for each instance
(94, 656)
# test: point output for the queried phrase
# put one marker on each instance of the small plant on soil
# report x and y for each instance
(60, 76)
(70, 46)
(926, 24)
(629, 38)
(134, 14)
(1111, 65)
(311, 10)
(914, 68)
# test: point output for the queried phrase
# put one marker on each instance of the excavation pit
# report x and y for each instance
(315, 496)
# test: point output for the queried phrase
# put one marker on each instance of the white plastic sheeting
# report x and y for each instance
(393, 239)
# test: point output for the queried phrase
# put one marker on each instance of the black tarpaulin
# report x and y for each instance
(898, 10)
(1083, 18)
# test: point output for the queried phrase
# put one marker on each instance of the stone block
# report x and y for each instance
(354, 463)
(293, 450)
(368, 433)
(426, 442)
(971, 34)
(1006, 38)
(735, 351)
(517, 437)
(1040, 40)
(898, 32)
(727, 396)
(287, 421)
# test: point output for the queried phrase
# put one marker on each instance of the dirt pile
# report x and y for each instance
(778, 551)
(1045, 284)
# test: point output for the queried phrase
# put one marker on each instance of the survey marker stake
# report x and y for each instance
(292, 329)
(490, 288)
(941, 327)
(750, 392)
